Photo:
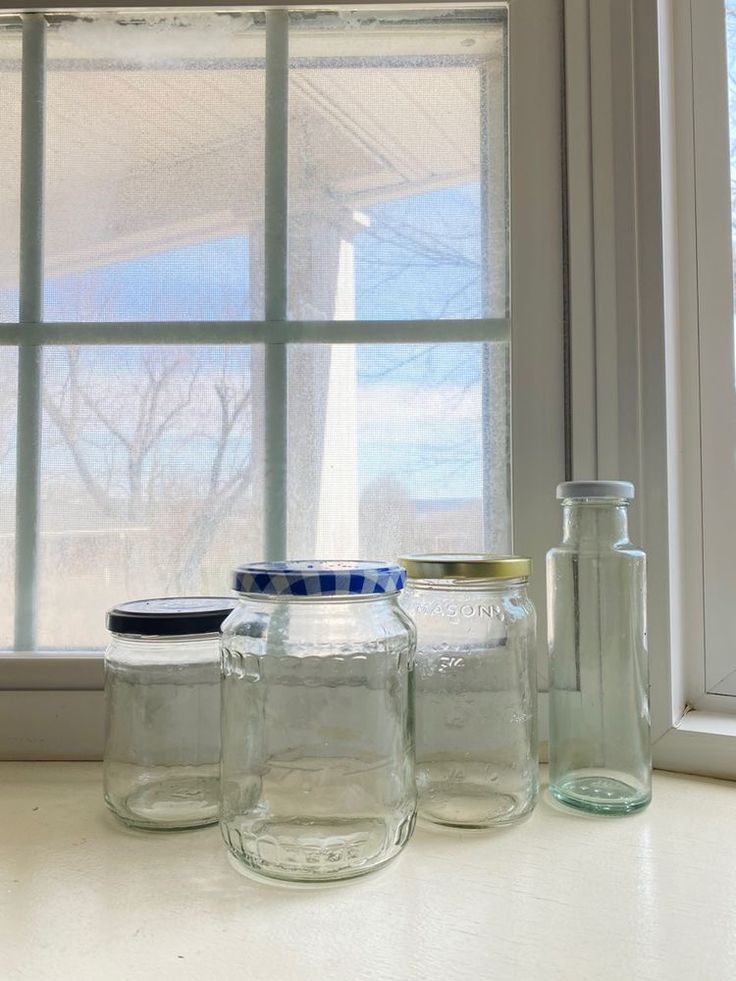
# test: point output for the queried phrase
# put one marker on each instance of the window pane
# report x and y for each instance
(8, 393)
(717, 352)
(397, 166)
(150, 479)
(390, 449)
(10, 53)
(154, 168)
(731, 51)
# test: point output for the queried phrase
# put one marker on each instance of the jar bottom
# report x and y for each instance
(473, 795)
(303, 882)
(308, 850)
(600, 793)
(475, 813)
(163, 798)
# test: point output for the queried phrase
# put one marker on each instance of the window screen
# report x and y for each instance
(183, 427)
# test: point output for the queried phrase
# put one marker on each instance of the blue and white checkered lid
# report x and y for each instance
(313, 578)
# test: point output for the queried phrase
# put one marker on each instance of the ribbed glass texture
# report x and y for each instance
(317, 762)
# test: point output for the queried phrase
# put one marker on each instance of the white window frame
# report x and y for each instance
(51, 705)
(634, 312)
(706, 345)
(698, 278)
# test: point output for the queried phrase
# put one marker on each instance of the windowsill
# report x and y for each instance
(559, 897)
(52, 671)
(714, 723)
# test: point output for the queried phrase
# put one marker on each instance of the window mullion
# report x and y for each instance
(276, 280)
(496, 436)
(31, 311)
(486, 354)
(137, 333)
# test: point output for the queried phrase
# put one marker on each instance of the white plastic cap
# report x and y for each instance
(623, 489)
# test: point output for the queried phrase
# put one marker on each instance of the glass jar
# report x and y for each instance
(599, 752)
(317, 737)
(476, 692)
(162, 700)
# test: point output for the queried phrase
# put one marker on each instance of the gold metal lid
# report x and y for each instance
(466, 566)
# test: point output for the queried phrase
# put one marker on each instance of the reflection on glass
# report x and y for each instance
(150, 481)
(397, 166)
(10, 51)
(8, 397)
(154, 182)
(152, 458)
(731, 51)
(386, 450)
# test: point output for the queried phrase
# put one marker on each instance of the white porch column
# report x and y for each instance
(323, 439)
(337, 511)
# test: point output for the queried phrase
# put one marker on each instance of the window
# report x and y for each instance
(260, 277)
(697, 705)
(715, 204)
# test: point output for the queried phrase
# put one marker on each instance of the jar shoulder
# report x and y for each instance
(317, 625)
(469, 609)
(168, 652)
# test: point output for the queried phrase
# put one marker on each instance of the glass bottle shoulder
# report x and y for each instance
(624, 551)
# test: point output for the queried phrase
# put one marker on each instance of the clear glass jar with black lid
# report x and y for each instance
(162, 700)
(317, 737)
(476, 691)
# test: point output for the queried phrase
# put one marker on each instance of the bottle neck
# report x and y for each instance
(599, 522)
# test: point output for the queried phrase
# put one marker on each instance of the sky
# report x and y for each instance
(418, 258)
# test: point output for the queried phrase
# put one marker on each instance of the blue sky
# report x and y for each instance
(419, 258)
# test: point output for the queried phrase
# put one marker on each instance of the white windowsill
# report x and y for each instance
(52, 671)
(561, 896)
(713, 723)
(701, 742)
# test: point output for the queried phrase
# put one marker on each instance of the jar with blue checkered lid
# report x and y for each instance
(317, 765)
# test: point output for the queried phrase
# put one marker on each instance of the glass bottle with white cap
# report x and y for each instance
(599, 739)
(317, 766)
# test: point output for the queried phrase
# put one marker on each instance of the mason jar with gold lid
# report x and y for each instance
(475, 683)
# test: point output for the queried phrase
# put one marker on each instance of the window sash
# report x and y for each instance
(715, 325)
(691, 731)
(31, 333)
(634, 119)
(702, 314)
(65, 722)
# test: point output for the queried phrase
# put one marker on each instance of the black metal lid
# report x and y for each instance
(176, 616)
